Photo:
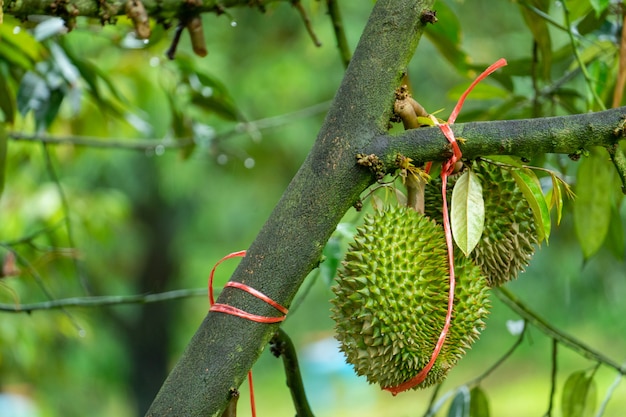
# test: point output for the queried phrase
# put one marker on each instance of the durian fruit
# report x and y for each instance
(392, 297)
(509, 238)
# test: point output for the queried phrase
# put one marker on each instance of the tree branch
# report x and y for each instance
(101, 301)
(281, 345)
(566, 340)
(525, 138)
(107, 10)
(289, 245)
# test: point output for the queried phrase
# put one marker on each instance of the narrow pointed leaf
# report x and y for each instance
(528, 183)
(467, 214)
(479, 405)
(579, 395)
(557, 198)
(592, 207)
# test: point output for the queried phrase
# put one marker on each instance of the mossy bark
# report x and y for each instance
(107, 10)
(289, 245)
(524, 138)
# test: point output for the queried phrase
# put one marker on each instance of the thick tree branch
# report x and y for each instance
(107, 10)
(525, 138)
(289, 245)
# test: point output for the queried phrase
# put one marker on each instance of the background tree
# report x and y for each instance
(66, 203)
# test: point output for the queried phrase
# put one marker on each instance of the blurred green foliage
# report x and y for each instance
(221, 138)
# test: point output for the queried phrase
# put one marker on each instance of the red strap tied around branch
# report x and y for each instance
(226, 309)
(446, 170)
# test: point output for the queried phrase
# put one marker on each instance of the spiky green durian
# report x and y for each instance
(509, 237)
(392, 297)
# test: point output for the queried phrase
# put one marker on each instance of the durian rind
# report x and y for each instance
(509, 238)
(392, 297)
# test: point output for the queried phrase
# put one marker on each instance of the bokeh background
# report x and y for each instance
(156, 219)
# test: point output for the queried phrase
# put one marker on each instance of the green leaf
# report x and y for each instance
(579, 395)
(467, 214)
(592, 207)
(556, 199)
(479, 405)
(460, 405)
(3, 155)
(528, 183)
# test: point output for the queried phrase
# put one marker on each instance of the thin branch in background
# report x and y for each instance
(433, 397)
(496, 365)
(104, 301)
(520, 308)
(95, 142)
(39, 280)
(28, 239)
(588, 80)
(307, 22)
(160, 145)
(609, 394)
(340, 34)
(281, 345)
(553, 372)
(66, 215)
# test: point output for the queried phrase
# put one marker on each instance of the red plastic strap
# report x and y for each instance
(446, 170)
(224, 308)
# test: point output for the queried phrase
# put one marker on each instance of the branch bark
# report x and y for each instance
(525, 138)
(107, 10)
(289, 245)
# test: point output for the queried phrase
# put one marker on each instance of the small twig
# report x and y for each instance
(619, 161)
(231, 410)
(433, 397)
(496, 365)
(340, 34)
(281, 345)
(307, 22)
(553, 372)
(588, 80)
(566, 340)
(609, 394)
(66, 215)
(39, 280)
(27, 239)
(171, 51)
(103, 301)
